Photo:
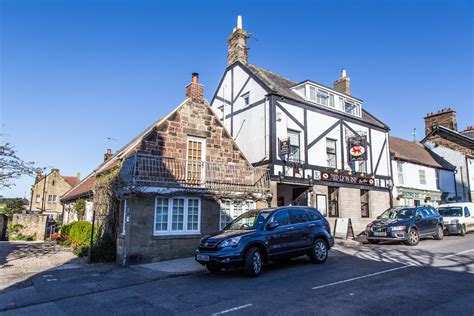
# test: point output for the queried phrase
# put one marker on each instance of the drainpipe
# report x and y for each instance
(468, 182)
(455, 185)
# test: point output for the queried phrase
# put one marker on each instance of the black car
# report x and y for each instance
(260, 236)
(407, 224)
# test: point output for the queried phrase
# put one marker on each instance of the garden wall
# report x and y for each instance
(33, 224)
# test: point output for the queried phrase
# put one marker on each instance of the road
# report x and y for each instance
(435, 277)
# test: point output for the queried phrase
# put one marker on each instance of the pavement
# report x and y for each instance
(435, 277)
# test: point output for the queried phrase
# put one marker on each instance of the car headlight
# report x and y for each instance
(368, 227)
(397, 228)
(455, 221)
(231, 242)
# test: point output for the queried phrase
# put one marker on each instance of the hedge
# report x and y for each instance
(79, 232)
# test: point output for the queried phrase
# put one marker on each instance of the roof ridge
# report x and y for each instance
(273, 73)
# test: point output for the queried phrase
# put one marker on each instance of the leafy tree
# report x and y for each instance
(13, 206)
(12, 166)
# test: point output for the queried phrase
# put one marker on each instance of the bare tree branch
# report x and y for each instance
(12, 166)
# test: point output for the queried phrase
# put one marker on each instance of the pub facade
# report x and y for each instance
(322, 147)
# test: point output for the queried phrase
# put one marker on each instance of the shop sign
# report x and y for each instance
(344, 178)
(283, 147)
(357, 148)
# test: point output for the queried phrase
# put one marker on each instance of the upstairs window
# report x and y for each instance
(195, 156)
(331, 153)
(246, 98)
(38, 198)
(422, 175)
(331, 100)
(400, 172)
(294, 139)
(437, 179)
(312, 93)
(322, 97)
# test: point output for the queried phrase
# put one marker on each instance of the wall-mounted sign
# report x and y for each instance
(283, 147)
(357, 148)
(345, 178)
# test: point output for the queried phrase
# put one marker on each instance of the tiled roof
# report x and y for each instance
(84, 188)
(282, 86)
(415, 152)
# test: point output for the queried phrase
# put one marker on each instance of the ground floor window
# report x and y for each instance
(230, 210)
(177, 215)
(364, 203)
(333, 202)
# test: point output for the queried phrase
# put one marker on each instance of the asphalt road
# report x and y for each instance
(435, 277)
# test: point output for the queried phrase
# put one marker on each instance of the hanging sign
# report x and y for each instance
(345, 178)
(283, 147)
(357, 148)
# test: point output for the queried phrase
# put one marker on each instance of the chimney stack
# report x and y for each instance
(237, 44)
(194, 90)
(445, 117)
(108, 154)
(343, 84)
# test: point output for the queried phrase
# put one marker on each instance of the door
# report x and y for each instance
(299, 219)
(423, 221)
(321, 204)
(279, 239)
(469, 218)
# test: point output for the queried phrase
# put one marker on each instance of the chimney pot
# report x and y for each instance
(343, 84)
(239, 22)
(194, 90)
(343, 73)
(237, 44)
(195, 77)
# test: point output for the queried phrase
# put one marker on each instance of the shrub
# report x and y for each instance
(24, 237)
(80, 232)
(103, 249)
(80, 250)
(65, 243)
(65, 230)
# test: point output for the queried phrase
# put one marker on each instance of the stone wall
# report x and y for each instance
(444, 117)
(33, 224)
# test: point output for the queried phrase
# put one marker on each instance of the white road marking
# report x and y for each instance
(232, 309)
(455, 254)
(360, 277)
(49, 280)
(47, 275)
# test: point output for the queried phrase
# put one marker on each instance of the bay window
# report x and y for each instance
(177, 215)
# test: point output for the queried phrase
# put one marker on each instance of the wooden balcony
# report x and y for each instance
(149, 170)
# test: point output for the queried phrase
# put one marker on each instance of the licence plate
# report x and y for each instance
(380, 234)
(202, 257)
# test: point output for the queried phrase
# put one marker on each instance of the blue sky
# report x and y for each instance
(76, 72)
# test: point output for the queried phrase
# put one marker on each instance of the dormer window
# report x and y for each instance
(323, 97)
(352, 108)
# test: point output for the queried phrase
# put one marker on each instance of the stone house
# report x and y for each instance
(48, 190)
(420, 176)
(181, 178)
(321, 145)
(457, 147)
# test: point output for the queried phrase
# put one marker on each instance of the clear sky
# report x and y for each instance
(76, 72)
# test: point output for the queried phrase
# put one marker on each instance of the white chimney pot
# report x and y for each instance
(239, 22)
(343, 73)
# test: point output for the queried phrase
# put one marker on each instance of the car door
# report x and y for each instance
(280, 238)
(299, 219)
(423, 221)
(468, 218)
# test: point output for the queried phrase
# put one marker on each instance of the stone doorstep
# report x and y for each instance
(176, 266)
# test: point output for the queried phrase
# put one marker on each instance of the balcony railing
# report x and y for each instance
(150, 170)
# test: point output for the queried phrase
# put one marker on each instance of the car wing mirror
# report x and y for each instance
(272, 225)
(418, 217)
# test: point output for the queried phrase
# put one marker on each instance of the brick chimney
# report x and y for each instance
(237, 44)
(108, 154)
(194, 90)
(445, 117)
(343, 84)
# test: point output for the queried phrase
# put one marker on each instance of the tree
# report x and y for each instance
(13, 206)
(12, 166)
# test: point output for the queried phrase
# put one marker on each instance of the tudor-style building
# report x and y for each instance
(321, 145)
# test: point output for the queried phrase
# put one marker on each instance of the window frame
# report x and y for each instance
(203, 155)
(38, 198)
(169, 231)
(298, 133)
(232, 203)
(400, 173)
(246, 98)
(124, 218)
(335, 153)
(420, 178)
(367, 203)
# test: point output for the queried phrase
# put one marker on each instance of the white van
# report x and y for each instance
(458, 217)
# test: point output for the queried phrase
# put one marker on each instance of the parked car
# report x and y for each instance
(259, 236)
(407, 224)
(458, 217)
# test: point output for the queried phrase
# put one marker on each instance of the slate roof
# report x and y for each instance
(415, 152)
(282, 86)
(468, 132)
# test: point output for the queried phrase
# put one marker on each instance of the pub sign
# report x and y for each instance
(283, 147)
(357, 148)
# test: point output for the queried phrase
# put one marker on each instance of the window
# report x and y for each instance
(246, 98)
(466, 212)
(52, 198)
(312, 93)
(437, 179)
(341, 103)
(178, 215)
(364, 203)
(313, 216)
(331, 153)
(322, 97)
(331, 100)
(38, 198)
(282, 218)
(400, 172)
(230, 210)
(422, 175)
(294, 138)
(298, 216)
(195, 156)
(333, 202)
(53, 183)
(363, 166)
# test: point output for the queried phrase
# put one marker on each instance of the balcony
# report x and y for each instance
(144, 170)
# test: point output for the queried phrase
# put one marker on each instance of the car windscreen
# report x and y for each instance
(405, 213)
(249, 220)
(450, 211)
(390, 213)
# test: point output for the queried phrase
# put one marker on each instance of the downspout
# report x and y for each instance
(468, 182)
(455, 184)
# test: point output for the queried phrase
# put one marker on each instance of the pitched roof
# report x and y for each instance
(71, 180)
(462, 137)
(402, 149)
(282, 86)
(468, 132)
(84, 188)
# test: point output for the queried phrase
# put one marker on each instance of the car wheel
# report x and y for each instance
(463, 230)
(253, 262)
(319, 252)
(439, 233)
(373, 241)
(213, 268)
(413, 237)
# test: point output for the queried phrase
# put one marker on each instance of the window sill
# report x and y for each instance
(177, 236)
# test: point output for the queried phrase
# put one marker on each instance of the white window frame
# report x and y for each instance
(232, 209)
(335, 153)
(185, 230)
(124, 223)
(203, 154)
(420, 173)
(38, 198)
(400, 173)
